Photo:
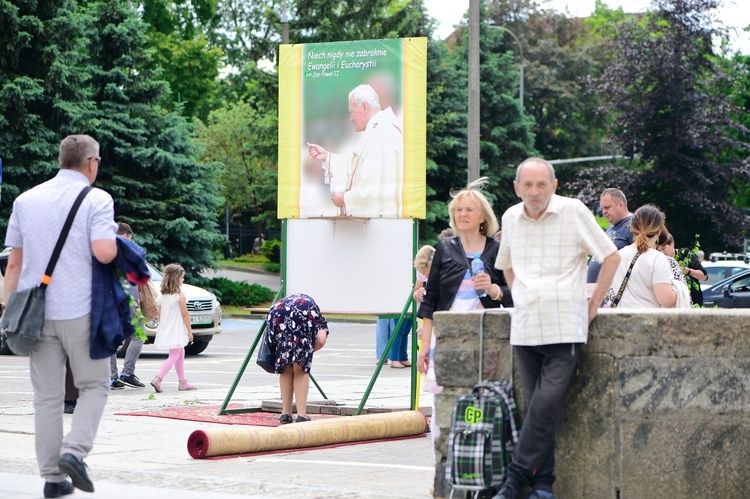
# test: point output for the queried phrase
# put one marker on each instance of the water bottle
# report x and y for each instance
(477, 266)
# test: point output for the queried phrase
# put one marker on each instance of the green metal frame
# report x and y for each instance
(414, 343)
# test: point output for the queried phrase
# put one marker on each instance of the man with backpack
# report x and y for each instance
(543, 254)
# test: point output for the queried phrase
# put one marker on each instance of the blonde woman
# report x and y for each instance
(450, 284)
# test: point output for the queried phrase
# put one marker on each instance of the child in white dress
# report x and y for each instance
(174, 327)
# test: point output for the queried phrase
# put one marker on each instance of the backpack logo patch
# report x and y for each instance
(472, 415)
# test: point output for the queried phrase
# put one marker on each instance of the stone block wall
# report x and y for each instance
(660, 406)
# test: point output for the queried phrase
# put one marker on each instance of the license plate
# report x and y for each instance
(200, 319)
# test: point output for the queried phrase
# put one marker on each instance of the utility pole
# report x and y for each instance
(473, 117)
(285, 26)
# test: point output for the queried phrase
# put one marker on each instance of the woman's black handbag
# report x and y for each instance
(266, 354)
(23, 319)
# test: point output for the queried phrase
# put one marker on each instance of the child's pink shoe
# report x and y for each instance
(156, 383)
(185, 386)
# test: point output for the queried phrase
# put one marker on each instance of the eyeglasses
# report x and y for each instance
(97, 158)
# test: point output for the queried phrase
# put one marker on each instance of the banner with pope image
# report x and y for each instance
(352, 129)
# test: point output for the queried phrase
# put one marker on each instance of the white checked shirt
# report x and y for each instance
(548, 258)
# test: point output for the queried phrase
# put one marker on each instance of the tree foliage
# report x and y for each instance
(43, 91)
(178, 32)
(561, 56)
(86, 69)
(244, 140)
(666, 89)
(506, 138)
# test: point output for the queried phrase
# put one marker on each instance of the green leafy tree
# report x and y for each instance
(244, 141)
(672, 111)
(43, 91)
(740, 93)
(159, 187)
(561, 56)
(446, 136)
(178, 32)
(506, 138)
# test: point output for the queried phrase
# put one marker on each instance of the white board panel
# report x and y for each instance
(351, 266)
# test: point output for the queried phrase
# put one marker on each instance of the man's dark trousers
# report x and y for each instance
(547, 373)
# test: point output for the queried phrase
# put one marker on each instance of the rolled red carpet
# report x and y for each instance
(248, 440)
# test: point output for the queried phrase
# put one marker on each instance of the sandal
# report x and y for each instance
(185, 386)
(156, 383)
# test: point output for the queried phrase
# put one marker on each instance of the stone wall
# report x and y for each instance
(660, 406)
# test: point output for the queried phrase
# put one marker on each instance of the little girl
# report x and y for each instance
(174, 326)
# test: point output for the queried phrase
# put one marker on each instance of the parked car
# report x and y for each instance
(722, 269)
(717, 257)
(733, 292)
(205, 313)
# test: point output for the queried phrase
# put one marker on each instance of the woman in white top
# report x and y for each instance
(650, 282)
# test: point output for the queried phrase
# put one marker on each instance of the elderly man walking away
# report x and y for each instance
(36, 220)
(543, 253)
(614, 207)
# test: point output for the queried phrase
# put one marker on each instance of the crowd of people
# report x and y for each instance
(473, 266)
(631, 264)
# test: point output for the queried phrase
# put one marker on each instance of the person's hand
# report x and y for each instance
(422, 360)
(190, 336)
(482, 281)
(317, 152)
(686, 270)
(320, 339)
(338, 199)
(418, 295)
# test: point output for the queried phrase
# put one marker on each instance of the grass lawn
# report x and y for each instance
(252, 262)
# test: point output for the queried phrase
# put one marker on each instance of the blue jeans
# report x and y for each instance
(400, 347)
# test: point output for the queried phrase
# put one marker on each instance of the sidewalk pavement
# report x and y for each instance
(147, 458)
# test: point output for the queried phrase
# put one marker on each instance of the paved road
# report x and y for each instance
(146, 457)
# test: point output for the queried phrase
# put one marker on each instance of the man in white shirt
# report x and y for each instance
(36, 221)
(543, 253)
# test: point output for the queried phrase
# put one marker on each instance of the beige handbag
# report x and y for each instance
(147, 301)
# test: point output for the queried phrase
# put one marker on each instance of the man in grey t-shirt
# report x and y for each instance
(615, 209)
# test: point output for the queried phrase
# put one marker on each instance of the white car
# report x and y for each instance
(720, 270)
(205, 315)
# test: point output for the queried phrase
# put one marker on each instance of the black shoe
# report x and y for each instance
(76, 469)
(69, 406)
(303, 419)
(58, 489)
(116, 384)
(131, 380)
(506, 492)
(286, 419)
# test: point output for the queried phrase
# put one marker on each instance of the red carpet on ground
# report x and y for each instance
(210, 414)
